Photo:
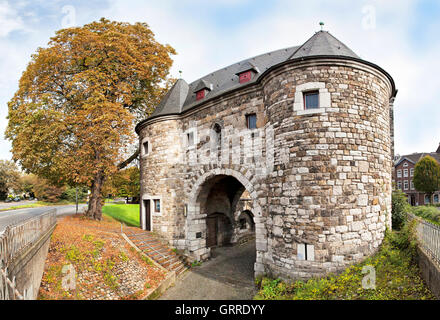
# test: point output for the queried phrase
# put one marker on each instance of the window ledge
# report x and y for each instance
(310, 111)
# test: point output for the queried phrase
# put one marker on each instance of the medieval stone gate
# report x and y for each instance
(306, 132)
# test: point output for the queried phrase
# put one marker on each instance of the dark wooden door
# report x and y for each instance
(211, 232)
(147, 209)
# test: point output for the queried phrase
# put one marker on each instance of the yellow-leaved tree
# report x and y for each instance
(72, 119)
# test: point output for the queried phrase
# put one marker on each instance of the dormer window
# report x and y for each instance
(245, 76)
(246, 71)
(202, 89)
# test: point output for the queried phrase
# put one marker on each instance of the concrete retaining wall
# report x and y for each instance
(430, 272)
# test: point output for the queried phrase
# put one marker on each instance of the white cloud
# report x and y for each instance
(9, 19)
(204, 45)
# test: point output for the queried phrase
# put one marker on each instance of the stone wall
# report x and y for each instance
(335, 190)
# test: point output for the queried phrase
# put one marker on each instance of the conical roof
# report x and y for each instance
(173, 101)
(322, 43)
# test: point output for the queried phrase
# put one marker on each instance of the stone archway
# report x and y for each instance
(196, 229)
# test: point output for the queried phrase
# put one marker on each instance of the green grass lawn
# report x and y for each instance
(126, 213)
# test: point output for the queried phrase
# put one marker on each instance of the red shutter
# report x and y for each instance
(245, 76)
(200, 94)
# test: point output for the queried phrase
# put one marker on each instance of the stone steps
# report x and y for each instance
(158, 251)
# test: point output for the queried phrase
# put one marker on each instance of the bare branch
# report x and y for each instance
(125, 163)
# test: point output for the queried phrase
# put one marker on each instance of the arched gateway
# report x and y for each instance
(214, 198)
(293, 147)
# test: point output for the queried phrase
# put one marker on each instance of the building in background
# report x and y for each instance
(404, 173)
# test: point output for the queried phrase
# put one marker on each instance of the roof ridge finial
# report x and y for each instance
(322, 25)
(180, 74)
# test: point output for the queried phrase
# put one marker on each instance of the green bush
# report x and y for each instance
(400, 208)
(70, 194)
(430, 213)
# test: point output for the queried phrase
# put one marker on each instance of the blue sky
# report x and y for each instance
(400, 36)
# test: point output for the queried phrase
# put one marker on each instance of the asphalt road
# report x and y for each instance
(15, 216)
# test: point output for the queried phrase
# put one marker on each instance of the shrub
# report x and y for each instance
(430, 213)
(399, 210)
(70, 194)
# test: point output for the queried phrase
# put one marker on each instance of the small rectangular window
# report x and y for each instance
(306, 252)
(311, 100)
(405, 173)
(412, 185)
(399, 185)
(145, 145)
(436, 198)
(411, 172)
(251, 121)
(399, 173)
(157, 206)
(405, 185)
(190, 138)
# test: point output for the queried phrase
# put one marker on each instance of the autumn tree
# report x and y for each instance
(427, 176)
(44, 190)
(124, 183)
(72, 118)
(9, 178)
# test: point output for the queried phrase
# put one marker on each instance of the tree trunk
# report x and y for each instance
(94, 210)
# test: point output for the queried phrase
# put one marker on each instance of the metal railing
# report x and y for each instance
(428, 235)
(14, 240)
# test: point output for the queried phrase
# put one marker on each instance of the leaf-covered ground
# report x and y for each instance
(106, 266)
(397, 278)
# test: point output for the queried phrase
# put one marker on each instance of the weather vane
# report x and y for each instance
(322, 25)
(180, 73)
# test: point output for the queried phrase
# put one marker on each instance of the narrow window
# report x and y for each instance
(245, 76)
(405, 185)
(251, 121)
(399, 185)
(145, 145)
(190, 138)
(399, 173)
(436, 198)
(218, 135)
(405, 173)
(311, 100)
(157, 206)
(412, 185)
(411, 172)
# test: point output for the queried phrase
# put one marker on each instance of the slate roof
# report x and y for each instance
(414, 157)
(323, 44)
(182, 97)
